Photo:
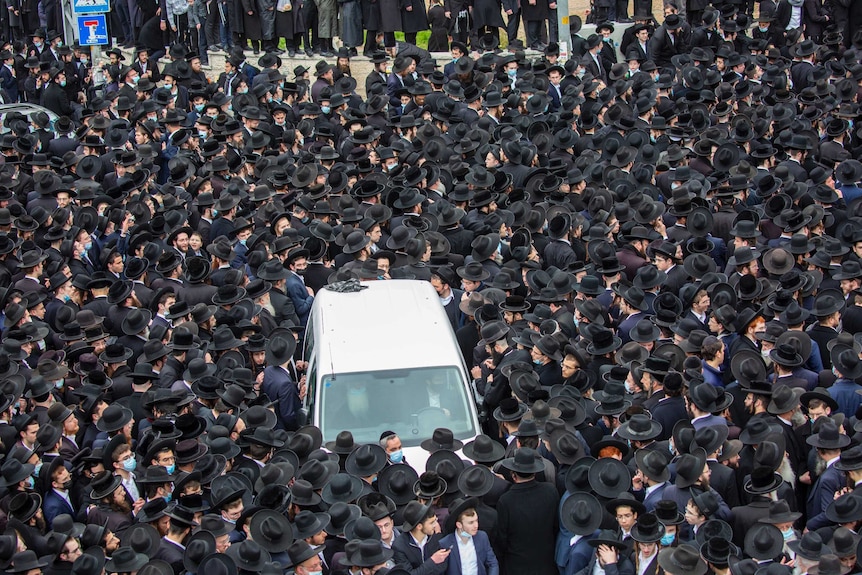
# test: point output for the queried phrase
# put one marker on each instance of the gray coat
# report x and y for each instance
(327, 18)
(390, 15)
(266, 8)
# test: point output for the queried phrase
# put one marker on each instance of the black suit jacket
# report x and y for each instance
(408, 553)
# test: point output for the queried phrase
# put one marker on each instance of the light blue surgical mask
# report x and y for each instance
(242, 91)
(537, 361)
(226, 520)
(667, 539)
(37, 469)
(325, 109)
(464, 534)
(512, 72)
(655, 76)
(787, 534)
(168, 497)
(762, 28)
(31, 483)
(130, 464)
(168, 86)
(315, 572)
(67, 297)
(242, 242)
(581, 73)
(171, 468)
(38, 45)
(396, 456)
(59, 383)
(84, 61)
(199, 108)
(135, 80)
(88, 245)
(215, 213)
(63, 83)
(203, 135)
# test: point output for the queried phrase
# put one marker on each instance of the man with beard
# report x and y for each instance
(113, 507)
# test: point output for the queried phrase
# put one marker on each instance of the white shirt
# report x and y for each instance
(795, 17)
(467, 550)
(131, 487)
(644, 563)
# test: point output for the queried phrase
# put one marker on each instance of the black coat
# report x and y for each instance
(527, 526)
(55, 99)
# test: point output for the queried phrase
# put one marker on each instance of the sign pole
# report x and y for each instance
(565, 37)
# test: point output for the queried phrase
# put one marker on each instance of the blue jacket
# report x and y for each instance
(821, 495)
(278, 385)
(486, 561)
(297, 292)
(843, 391)
(54, 505)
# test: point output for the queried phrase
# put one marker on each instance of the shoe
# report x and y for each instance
(309, 52)
(256, 50)
(625, 20)
(291, 53)
(277, 51)
(326, 54)
(353, 52)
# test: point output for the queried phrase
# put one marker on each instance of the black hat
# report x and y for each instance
(609, 477)
(525, 461)
(366, 460)
(685, 559)
(581, 513)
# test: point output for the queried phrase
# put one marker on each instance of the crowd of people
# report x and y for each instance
(652, 267)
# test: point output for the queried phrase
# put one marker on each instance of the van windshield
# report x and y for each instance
(411, 402)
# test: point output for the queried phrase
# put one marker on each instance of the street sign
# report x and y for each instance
(91, 6)
(93, 30)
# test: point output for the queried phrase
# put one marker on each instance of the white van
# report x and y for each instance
(386, 358)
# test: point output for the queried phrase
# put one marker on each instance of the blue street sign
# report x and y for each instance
(93, 30)
(91, 6)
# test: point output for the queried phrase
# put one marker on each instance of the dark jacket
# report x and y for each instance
(527, 527)
(419, 560)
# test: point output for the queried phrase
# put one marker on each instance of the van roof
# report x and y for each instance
(390, 318)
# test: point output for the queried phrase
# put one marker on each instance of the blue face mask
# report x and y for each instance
(512, 73)
(199, 108)
(242, 242)
(667, 539)
(135, 80)
(396, 456)
(67, 297)
(762, 29)
(84, 61)
(31, 483)
(130, 464)
(537, 361)
(171, 468)
(168, 86)
(242, 91)
(464, 534)
(202, 135)
(325, 109)
(63, 83)
(168, 497)
(215, 213)
(37, 469)
(59, 383)
(88, 245)
(787, 534)
(38, 45)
